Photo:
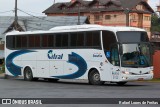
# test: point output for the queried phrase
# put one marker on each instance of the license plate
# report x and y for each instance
(140, 79)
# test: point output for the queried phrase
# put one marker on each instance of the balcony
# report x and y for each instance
(155, 37)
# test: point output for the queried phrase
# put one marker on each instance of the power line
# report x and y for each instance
(6, 11)
(35, 16)
(41, 18)
(33, 12)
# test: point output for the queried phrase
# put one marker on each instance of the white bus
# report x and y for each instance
(91, 52)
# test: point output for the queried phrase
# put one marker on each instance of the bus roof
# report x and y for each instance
(86, 27)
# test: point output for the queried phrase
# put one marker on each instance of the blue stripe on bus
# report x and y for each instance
(13, 68)
(79, 62)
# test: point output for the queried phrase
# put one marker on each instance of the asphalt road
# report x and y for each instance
(18, 88)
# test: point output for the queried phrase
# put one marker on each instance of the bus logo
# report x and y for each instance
(97, 55)
(52, 55)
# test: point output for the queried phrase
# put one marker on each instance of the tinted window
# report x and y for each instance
(58, 40)
(73, 39)
(24, 41)
(96, 39)
(18, 42)
(31, 41)
(132, 36)
(108, 39)
(45, 41)
(80, 39)
(37, 41)
(89, 39)
(10, 42)
(93, 39)
(51, 41)
(64, 40)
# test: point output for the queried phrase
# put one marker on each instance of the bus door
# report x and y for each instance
(115, 61)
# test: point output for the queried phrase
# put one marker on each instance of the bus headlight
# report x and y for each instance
(151, 72)
(126, 72)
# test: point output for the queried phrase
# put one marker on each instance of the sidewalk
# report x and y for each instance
(2, 76)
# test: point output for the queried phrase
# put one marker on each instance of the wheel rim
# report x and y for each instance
(96, 77)
(28, 74)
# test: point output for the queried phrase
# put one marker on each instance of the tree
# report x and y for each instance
(155, 24)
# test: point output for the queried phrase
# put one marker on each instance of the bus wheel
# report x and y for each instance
(28, 76)
(94, 78)
(121, 83)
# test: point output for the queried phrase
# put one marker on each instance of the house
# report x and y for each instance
(135, 13)
(27, 23)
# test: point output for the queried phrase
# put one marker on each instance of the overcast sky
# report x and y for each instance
(36, 7)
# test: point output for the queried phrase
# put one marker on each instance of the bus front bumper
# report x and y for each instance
(126, 77)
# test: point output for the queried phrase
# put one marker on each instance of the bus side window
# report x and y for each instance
(10, 42)
(108, 39)
(115, 56)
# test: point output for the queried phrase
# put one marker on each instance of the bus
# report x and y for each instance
(90, 52)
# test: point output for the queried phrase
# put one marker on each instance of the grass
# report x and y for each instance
(154, 80)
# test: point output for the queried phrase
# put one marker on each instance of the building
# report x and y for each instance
(135, 13)
(27, 23)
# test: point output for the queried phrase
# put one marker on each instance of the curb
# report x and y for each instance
(4, 76)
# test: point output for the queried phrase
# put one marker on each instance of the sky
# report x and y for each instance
(36, 7)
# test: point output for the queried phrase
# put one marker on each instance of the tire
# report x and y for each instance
(28, 76)
(94, 78)
(121, 83)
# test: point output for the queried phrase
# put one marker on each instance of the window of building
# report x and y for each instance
(147, 18)
(107, 17)
(97, 17)
(115, 16)
(139, 7)
(133, 16)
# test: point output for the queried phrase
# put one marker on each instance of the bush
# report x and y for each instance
(2, 70)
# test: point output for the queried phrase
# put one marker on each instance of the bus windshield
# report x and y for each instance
(136, 55)
(132, 36)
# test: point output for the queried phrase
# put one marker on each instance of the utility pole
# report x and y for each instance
(78, 15)
(127, 11)
(16, 16)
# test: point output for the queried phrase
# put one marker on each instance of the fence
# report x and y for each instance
(156, 64)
